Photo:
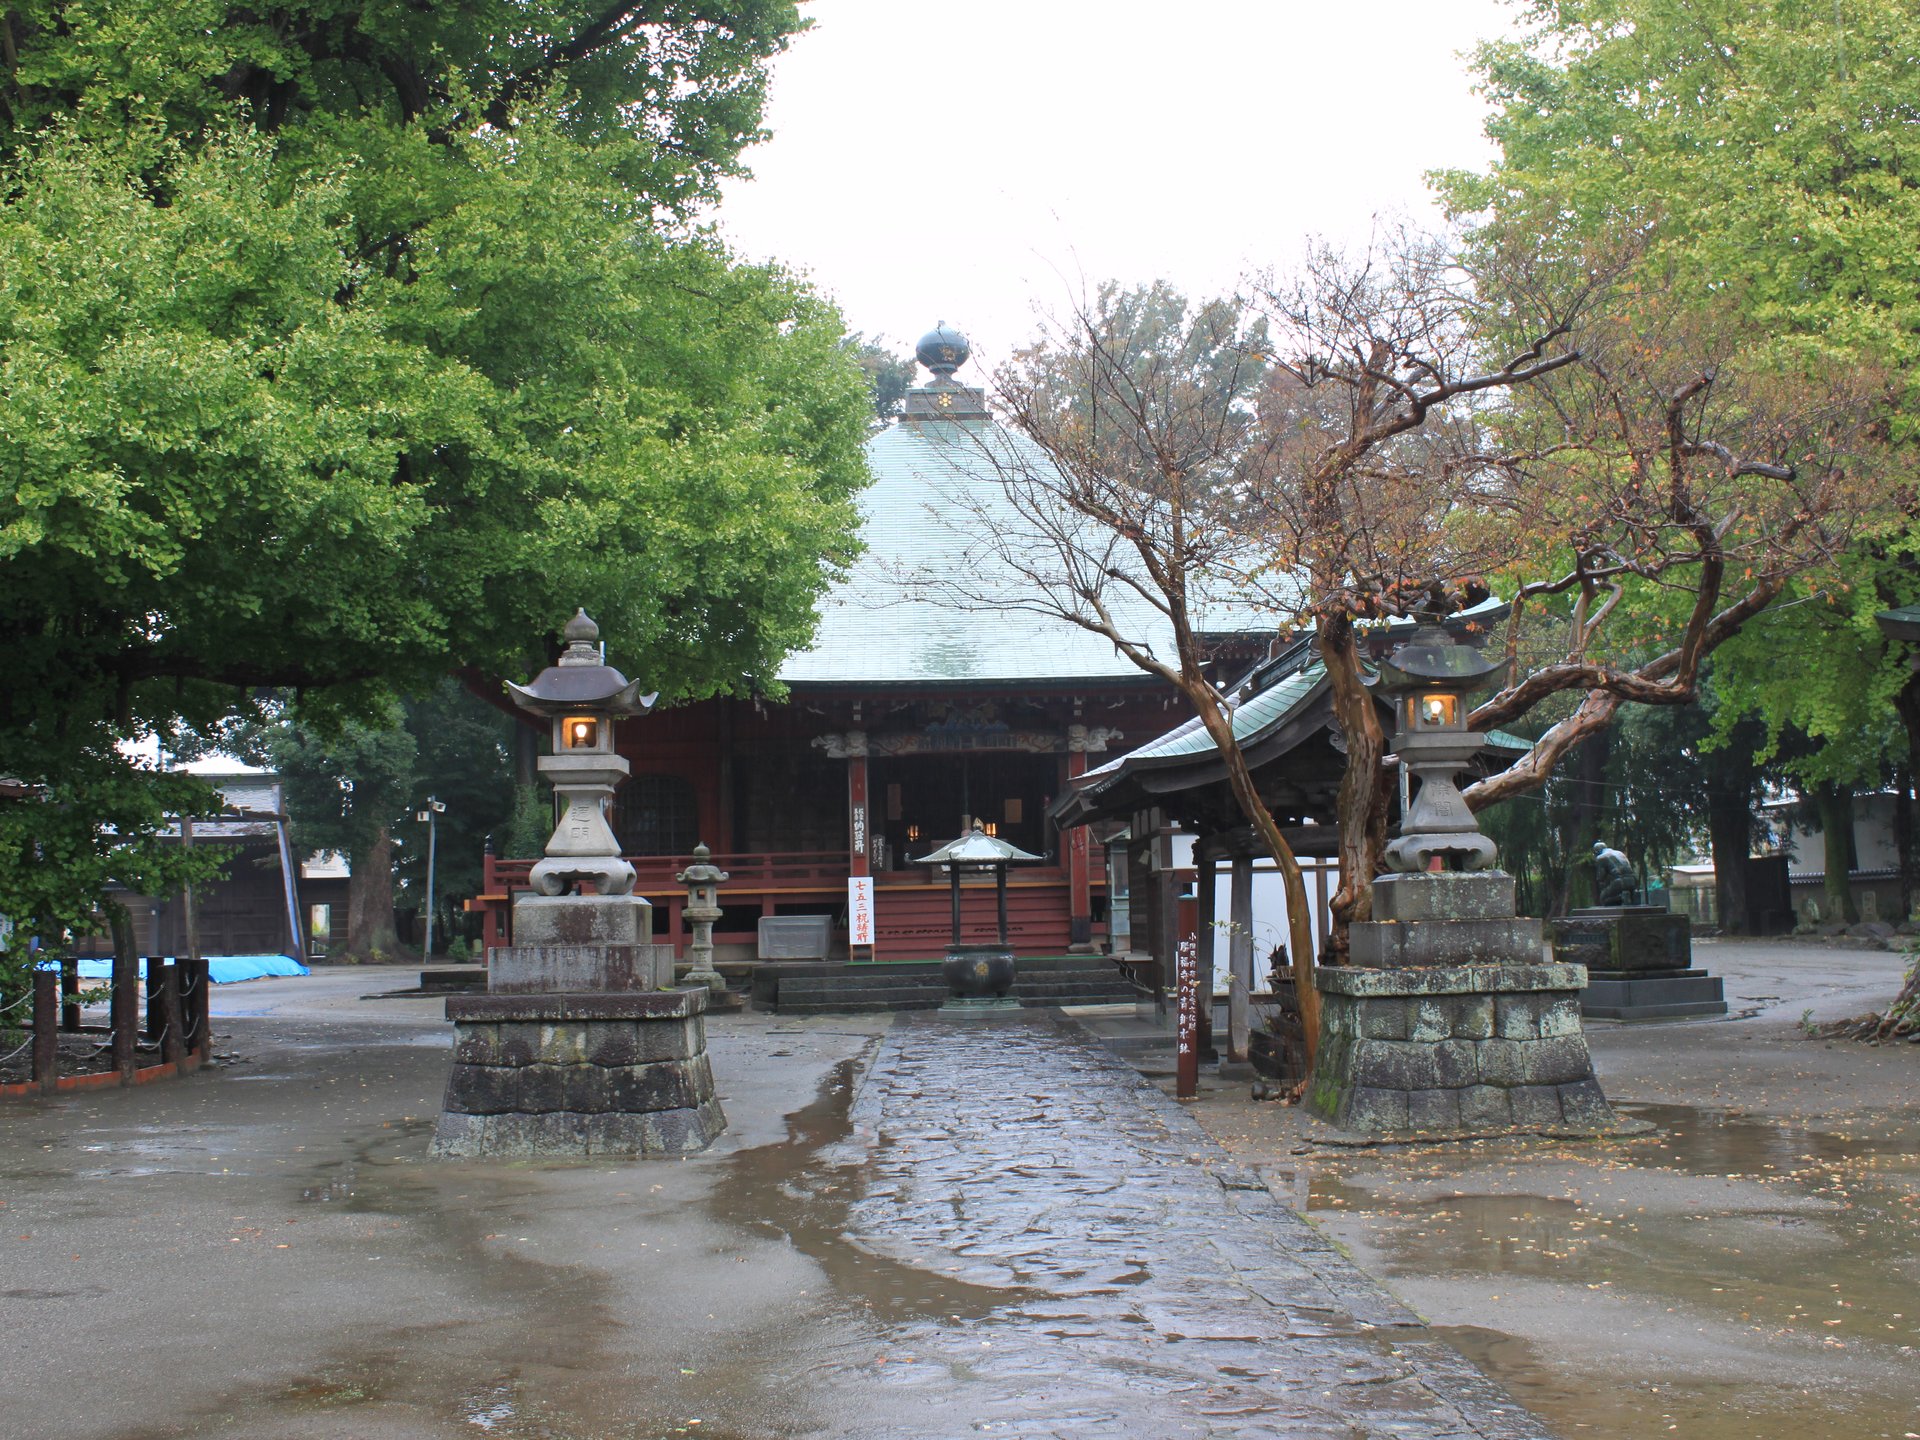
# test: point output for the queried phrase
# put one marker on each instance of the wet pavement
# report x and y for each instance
(1751, 1269)
(1147, 1285)
(942, 1230)
(928, 1230)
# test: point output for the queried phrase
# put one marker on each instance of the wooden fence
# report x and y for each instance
(173, 1037)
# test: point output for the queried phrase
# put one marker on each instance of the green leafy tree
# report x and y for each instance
(1655, 784)
(889, 376)
(1766, 153)
(101, 824)
(345, 345)
(463, 758)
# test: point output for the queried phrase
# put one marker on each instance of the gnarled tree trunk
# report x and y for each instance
(1365, 796)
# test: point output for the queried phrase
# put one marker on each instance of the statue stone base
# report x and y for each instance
(1453, 1025)
(1639, 961)
(557, 1075)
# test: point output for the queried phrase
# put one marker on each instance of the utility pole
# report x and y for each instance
(434, 809)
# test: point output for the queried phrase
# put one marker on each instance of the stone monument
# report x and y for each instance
(1450, 1022)
(1639, 958)
(582, 1045)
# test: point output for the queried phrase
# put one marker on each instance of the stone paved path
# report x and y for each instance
(1146, 1286)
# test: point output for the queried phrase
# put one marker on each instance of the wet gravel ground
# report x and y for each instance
(1749, 1270)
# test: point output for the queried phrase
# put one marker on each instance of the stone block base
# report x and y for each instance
(1455, 1051)
(1651, 995)
(579, 969)
(582, 920)
(1624, 937)
(536, 1076)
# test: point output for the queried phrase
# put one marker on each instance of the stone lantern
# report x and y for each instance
(582, 696)
(703, 880)
(979, 974)
(1429, 679)
(1449, 1022)
(583, 1045)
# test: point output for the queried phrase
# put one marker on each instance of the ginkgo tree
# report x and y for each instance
(344, 345)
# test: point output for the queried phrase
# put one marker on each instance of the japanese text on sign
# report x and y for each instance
(860, 910)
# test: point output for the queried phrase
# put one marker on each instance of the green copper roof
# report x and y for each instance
(1901, 623)
(933, 601)
(1253, 718)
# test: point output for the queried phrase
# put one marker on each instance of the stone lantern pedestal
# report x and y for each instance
(1639, 961)
(582, 1045)
(1451, 1023)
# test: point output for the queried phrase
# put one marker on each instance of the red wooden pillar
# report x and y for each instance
(677, 933)
(1079, 860)
(491, 936)
(859, 816)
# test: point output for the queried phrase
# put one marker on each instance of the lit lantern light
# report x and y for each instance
(1431, 676)
(582, 695)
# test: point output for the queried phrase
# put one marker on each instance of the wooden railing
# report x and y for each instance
(912, 905)
(176, 1029)
(654, 873)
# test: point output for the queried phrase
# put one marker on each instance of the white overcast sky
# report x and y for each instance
(972, 160)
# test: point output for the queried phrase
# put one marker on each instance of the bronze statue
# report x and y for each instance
(1613, 880)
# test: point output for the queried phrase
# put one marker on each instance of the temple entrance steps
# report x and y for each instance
(843, 989)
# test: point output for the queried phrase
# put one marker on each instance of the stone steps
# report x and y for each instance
(867, 989)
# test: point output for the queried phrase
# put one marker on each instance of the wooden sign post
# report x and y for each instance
(1187, 989)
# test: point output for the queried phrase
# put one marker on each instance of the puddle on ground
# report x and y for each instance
(1652, 1403)
(804, 1193)
(1774, 1267)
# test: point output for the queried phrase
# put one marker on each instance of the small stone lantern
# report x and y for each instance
(582, 695)
(703, 880)
(1430, 678)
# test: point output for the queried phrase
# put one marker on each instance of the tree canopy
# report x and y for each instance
(1386, 433)
(341, 345)
(1767, 155)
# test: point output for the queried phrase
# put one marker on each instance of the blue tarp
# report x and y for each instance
(221, 969)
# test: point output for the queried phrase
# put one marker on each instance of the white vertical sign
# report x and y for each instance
(860, 910)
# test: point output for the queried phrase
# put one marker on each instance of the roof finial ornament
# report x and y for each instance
(943, 350)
